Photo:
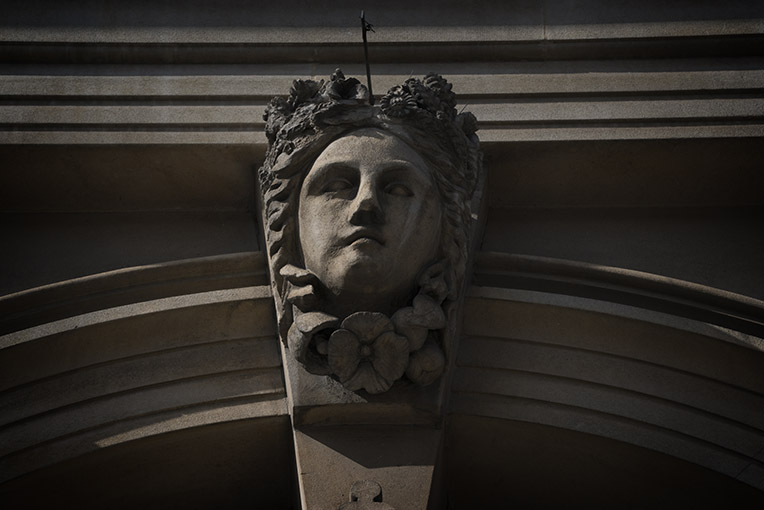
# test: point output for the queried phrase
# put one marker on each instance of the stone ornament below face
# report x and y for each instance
(367, 353)
(366, 495)
(369, 350)
(367, 220)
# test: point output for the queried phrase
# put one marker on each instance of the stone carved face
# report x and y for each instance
(369, 221)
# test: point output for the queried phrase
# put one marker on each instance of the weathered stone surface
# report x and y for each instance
(400, 460)
(366, 495)
(97, 380)
(367, 221)
(609, 131)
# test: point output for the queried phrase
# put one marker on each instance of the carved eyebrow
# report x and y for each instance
(391, 169)
(397, 164)
(321, 173)
(333, 165)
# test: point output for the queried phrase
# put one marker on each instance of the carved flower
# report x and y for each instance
(424, 96)
(302, 91)
(432, 281)
(415, 321)
(307, 340)
(442, 88)
(366, 353)
(426, 365)
(344, 89)
(276, 115)
(398, 102)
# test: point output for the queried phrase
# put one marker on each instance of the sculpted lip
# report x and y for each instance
(364, 233)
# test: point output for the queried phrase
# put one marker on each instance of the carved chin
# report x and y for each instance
(355, 270)
(368, 285)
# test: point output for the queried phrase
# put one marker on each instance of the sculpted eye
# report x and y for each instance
(337, 185)
(398, 189)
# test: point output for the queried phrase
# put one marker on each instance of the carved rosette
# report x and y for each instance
(368, 349)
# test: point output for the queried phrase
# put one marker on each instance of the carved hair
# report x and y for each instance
(419, 112)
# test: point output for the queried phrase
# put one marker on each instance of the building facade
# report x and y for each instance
(611, 336)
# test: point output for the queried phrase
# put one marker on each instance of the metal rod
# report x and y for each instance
(364, 27)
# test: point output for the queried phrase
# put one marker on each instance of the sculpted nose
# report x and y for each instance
(366, 209)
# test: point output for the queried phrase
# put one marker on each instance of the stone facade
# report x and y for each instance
(608, 347)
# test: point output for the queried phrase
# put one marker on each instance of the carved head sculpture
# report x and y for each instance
(367, 219)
